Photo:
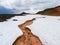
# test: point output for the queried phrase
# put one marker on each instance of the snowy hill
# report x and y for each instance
(47, 29)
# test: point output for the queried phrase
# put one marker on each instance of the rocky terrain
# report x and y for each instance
(4, 17)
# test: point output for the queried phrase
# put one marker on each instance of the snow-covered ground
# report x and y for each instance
(47, 29)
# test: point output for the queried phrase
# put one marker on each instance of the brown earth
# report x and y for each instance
(33, 40)
(28, 38)
(51, 11)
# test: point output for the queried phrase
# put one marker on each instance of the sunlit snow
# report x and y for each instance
(47, 29)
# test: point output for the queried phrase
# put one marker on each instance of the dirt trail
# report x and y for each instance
(28, 38)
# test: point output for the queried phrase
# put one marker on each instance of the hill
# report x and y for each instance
(51, 11)
(4, 17)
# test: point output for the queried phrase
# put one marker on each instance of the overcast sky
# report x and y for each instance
(17, 6)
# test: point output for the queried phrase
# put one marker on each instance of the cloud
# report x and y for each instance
(25, 5)
(6, 11)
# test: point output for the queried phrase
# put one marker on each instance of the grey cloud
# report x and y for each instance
(25, 5)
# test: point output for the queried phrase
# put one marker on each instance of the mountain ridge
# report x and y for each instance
(51, 11)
